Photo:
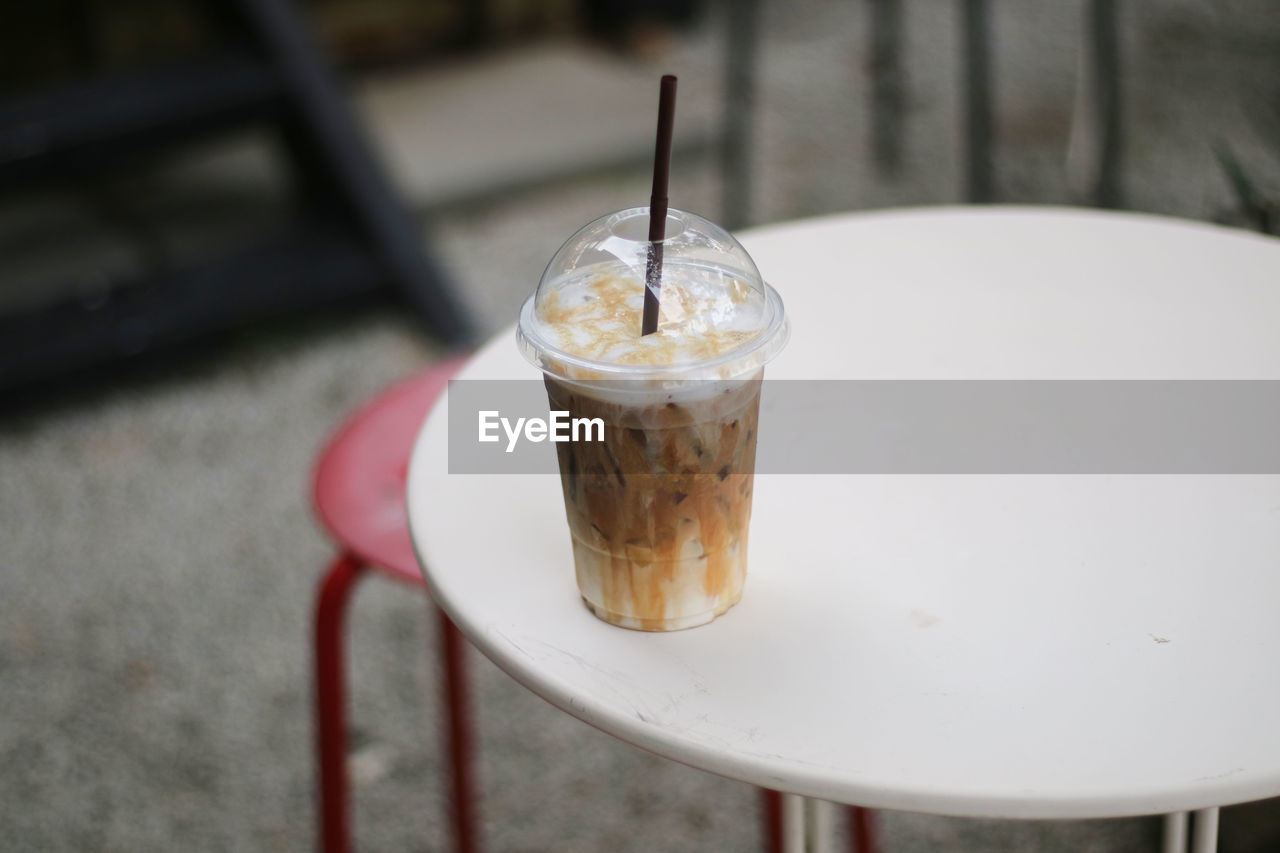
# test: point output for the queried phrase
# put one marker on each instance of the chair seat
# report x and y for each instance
(360, 475)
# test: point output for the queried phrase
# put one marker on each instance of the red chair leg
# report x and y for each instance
(331, 709)
(771, 805)
(458, 713)
(862, 826)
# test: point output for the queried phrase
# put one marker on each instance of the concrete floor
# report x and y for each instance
(161, 558)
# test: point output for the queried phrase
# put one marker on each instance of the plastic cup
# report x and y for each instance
(658, 509)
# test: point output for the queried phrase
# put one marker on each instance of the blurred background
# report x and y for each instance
(225, 224)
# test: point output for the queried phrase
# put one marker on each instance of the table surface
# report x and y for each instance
(1003, 646)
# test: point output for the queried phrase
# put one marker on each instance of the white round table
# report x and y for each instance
(991, 646)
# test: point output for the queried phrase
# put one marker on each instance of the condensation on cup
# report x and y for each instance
(659, 510)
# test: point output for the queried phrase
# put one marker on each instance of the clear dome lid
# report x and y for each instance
(716, 318)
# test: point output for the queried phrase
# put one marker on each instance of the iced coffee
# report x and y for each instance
(659, 509)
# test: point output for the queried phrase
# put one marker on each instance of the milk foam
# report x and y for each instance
(704, 313)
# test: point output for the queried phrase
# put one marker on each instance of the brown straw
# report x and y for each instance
(658, 204)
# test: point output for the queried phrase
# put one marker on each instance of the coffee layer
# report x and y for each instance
(659, 510)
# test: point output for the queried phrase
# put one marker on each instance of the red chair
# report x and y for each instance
(358, 495)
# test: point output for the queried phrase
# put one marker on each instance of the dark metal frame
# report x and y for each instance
(888, 94)
(354, 240)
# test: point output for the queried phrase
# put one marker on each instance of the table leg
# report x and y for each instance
(793, 823)
(818, 826)
(1204, 832)
(807, 825)
(1175, 833)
